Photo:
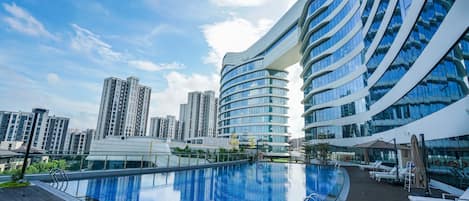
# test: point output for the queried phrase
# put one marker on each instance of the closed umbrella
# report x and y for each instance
(420, 172)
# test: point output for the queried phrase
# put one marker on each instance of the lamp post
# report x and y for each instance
(30, 141)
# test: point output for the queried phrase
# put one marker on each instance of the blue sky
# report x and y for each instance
(56, 54)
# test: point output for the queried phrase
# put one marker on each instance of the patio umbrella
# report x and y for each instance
(420, 172)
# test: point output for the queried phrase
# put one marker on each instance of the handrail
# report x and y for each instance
(312, 197)
(55, 180)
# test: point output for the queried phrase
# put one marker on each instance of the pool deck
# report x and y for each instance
(362, 188)
(29, 193)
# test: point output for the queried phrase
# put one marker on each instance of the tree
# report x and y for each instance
(323, 150)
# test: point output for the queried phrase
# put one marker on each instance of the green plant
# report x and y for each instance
(13, 184)
(323, 151)
(15, 174)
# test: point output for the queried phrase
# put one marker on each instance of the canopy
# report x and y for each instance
(33, 150)
(379, 144)
(8, 154)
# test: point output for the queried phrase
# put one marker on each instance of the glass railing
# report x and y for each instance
(43, 163)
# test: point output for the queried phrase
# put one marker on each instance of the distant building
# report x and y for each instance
(49, 133)
(165, 128)
(56, 131)
(199, 115)
(79, 141)
(124, 108)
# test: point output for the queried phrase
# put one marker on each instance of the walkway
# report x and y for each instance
(30, 193)
(362, 188)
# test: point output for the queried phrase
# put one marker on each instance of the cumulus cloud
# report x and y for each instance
(233, 35)
(167, 101)
(22, 21)
(150, 66)
(238, 3)
(53, 78)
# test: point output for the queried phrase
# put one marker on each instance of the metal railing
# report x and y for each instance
(59, 179)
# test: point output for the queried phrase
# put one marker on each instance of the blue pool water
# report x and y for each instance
(257, 182)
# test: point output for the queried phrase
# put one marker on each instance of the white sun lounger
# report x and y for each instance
(374, 165)
(391, 171)
(391, 175)
(463, 197)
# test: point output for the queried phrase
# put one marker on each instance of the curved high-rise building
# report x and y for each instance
(372, 69)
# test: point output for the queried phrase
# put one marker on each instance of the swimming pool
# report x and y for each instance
(257, 182)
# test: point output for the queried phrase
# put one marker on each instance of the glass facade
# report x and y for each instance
(253, 105)
(445, 84)
(386, 41)
(338, 60)
(448, 160)
(427, 24)
(375, 24)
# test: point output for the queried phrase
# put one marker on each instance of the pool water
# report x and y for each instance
(257, 182)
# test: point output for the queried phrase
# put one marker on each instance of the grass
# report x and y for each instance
(13, 184)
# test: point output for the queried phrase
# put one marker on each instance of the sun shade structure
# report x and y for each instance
(8, 154)
(33, 150)
(379, 144)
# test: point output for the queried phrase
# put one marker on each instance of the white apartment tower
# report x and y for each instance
(79, 141)
(49, 133)
(199, 115)
(124, 108)
(165, 128)
(55, 134)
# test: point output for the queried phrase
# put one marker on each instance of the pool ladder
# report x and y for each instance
(59, 179)
(312, 197)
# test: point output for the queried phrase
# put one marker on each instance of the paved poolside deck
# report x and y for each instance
(29, 193)
(363, 188)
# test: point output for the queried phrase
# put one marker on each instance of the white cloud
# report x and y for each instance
(238, 3)
(82, 113)
(89, 43)
(167, 102)
(150, 66)
(22, 21)
(295, 95)
(233, 35)
(53, 78)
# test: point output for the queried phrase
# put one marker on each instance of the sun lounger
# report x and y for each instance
(463, 197)
(391, 175)
(391, 171)
(373, 166)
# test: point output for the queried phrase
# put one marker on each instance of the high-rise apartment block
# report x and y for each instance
(165, 128)
(56, 132)
(124, 108)
(199, 115)
(79, 141)
(50, 131)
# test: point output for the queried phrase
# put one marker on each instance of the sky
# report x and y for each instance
(56, 54)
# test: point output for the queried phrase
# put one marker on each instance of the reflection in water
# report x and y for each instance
(262, 181)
